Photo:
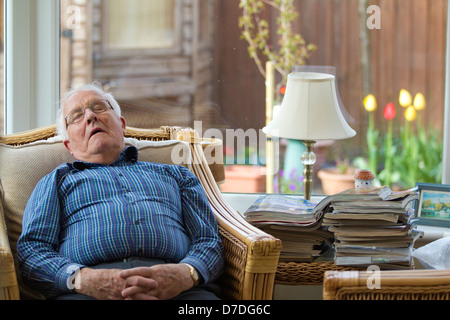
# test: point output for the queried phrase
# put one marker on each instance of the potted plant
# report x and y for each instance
(338, 178)
(243, 172)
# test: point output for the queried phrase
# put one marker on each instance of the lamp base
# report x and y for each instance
(308, 160)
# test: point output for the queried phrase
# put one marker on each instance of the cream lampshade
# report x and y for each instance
(309, 112)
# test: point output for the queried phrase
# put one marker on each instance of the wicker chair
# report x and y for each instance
(251, 255)
(392, 285)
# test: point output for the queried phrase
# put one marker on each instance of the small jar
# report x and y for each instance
(364, 179)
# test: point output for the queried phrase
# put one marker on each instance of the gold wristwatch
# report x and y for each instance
(194, 274)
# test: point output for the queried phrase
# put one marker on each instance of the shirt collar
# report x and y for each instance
(129, 154)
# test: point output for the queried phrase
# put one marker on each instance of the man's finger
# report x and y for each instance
(140, 271)
(134, 291)
(138, 281)
(138, 286)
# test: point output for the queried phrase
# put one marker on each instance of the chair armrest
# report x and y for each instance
(251, 255)
(387, 285)
(9, 288)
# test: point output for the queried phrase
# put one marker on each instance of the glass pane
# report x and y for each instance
(372, 47)
(380, 50)
(137, 24)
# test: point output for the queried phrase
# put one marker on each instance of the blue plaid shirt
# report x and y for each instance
(83, 214)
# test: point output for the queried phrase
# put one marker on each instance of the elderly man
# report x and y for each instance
(110, 227)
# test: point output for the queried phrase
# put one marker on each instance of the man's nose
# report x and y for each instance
(89, 116)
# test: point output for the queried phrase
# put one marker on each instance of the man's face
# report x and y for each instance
(99, 137)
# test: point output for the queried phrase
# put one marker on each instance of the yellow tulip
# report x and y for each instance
(405, 98)
(410, 114)
(419, 102)
(370, 103)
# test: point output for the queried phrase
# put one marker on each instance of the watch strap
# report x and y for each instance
(194, 274)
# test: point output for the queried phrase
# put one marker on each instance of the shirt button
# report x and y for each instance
(136, 222)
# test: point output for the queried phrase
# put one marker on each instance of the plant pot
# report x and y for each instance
(334, 181)
(244, 178)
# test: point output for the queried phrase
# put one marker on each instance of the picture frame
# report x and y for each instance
(431, 208)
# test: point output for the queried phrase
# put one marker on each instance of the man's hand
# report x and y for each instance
(162, 282)
(101, 284)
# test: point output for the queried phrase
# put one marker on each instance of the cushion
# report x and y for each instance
(23, 166)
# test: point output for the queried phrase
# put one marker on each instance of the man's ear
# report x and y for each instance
(124, 125)
(66, 144)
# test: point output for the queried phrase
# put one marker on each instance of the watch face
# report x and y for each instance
(194, 274)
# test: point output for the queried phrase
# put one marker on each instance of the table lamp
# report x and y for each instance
(309, 112)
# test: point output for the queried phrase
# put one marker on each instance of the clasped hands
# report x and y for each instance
(159, 282)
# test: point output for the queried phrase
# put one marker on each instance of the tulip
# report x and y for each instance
(419, 102)
(405, 98)
(410, 146)
(419, 105)
(410, 114)
(370, 103)
(389, 111)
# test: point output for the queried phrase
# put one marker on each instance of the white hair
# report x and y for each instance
(96, 87)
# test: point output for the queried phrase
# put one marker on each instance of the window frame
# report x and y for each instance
(31, 49)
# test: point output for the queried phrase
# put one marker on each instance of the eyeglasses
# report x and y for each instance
(96, 106)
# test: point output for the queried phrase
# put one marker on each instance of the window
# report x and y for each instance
(192, 64)
(136, 24)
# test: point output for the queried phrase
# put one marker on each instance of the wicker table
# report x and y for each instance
(306, 273)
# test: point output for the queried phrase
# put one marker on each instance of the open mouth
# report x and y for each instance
(95, 131)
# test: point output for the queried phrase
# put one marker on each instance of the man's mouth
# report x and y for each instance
(95, 131)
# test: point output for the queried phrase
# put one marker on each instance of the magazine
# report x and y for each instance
(289, 209)
(282, 208)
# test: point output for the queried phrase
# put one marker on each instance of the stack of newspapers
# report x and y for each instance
(373, 226)
(296, 222)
